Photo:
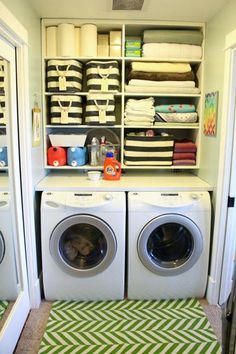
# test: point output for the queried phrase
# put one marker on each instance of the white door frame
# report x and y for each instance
(18, 314)
(223, 182)
(16, 34)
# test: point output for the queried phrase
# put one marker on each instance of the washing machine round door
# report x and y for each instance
(170, 244)
(83, 245)
(2, 247)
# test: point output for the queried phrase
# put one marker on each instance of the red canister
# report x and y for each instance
(56, 156)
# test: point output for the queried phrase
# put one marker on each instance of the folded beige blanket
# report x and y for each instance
(172, 50)
(146, 89)
(161, 67)
(134, 82)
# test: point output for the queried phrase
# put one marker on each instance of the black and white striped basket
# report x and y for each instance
(148, 150)
(102, 76)
(64, 75)
(100, 109)
(2, 75)
(2, 110)
(66, 109)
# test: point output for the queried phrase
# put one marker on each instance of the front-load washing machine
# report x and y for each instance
(83, 245)
(168, 244)
(9, 280)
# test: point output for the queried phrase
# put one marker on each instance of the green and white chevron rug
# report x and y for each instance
(124, 327)
(3, 307)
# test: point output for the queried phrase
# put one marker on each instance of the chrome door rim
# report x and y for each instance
(88, 219)
(164, 219)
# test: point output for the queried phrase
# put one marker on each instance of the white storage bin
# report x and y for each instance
(67, 140)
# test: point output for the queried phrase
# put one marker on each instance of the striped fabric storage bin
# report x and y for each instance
(103, 76)
(100, 109)
(64, 75)
(148, 150)
(66, 109)
(2, 88)
(2, 110)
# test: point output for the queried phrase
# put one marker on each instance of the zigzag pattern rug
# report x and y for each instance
(3, 307)
(124, 327)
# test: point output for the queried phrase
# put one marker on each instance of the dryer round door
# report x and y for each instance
(83, 245)
(170, 244)
(2, 248)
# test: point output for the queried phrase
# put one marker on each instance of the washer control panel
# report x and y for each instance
(88, 199)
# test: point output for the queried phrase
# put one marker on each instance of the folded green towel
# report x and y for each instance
(194, 37)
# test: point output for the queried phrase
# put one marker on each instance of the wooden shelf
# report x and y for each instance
(174, 60)
(60, 126)
(85, 59)
(155, 94)
(81, 93)
(165, 126)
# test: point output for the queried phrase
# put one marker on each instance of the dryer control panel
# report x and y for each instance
(88, 199)
(171, 199)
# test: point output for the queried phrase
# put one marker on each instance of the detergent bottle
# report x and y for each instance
(112, 168)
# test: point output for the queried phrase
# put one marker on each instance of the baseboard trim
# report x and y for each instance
(212, 295)
(35, 295)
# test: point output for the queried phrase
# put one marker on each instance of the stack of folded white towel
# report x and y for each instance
(139, 112)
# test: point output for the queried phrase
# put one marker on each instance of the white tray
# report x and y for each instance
(67, 140)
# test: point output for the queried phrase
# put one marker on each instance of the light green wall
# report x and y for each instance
(27, 16)
(24, 13)
(216, 30)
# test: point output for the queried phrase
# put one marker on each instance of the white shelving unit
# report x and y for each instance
(131, 28)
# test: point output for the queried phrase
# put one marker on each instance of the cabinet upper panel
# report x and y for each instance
(159, 40)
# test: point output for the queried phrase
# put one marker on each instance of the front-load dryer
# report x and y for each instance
(83, 245)
(168, 244)
(9, 280)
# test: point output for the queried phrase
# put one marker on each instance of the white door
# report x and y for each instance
(224, 236)
(10, 184)
(229, 256)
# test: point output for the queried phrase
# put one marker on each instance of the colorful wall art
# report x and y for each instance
(210, 113)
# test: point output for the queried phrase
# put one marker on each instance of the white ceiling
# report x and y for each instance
(173, 10)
